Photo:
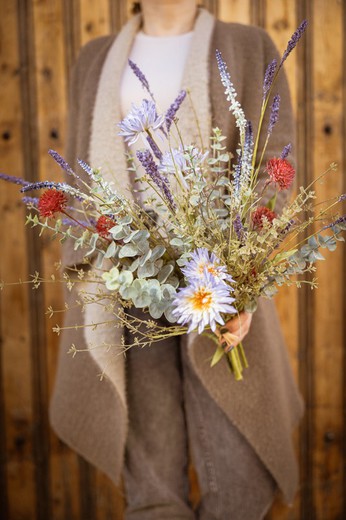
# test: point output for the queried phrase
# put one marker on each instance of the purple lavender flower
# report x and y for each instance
(342, 197)
(60, 186)
(340, 220)
(145, 83)
(235, 106)
(33, 201)
(139, 120)
(146, 159)
(294, 40)
(156, 150)
(238, 227)
(173, 109)
(269, 76)
(274, 114)
(286, 151)
(14, 180)
(62, 163)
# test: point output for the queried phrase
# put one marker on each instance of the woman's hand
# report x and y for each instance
(239, 326)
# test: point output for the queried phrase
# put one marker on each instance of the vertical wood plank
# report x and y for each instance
(326, 143)
(51, 54)
(235, 11)
(280, 21)
(94, 19)
(17, 452)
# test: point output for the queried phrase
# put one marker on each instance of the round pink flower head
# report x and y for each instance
(281, 172)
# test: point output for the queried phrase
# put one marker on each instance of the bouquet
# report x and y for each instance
(202, 245)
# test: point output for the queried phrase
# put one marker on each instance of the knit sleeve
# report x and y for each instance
(283, 131)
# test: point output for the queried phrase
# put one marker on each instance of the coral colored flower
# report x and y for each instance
(260, 213)
(51, 202)
(103, 225)
(202, 302)
(281, 172)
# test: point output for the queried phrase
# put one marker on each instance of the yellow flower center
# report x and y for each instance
(210, 268)
(201, 300)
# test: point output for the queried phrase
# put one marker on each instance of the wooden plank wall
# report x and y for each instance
(40, 478)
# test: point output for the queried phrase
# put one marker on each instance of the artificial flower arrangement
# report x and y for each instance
(205, 250)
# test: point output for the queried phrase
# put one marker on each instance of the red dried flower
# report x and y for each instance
(281, 172)
(51, 202)
(260, 213)
(103, 225)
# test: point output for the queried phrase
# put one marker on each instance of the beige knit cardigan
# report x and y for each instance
(91, 415)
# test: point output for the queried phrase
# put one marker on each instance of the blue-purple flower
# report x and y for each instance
(141, 119)
(202, 302)
(202, 261)
(173, 109)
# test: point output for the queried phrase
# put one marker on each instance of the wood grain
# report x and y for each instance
(39, 41)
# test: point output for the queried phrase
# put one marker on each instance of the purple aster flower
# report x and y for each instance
(201, 303)
(156, 150)
(203, 261)
(286, 151)
(274, 114)
(14, 180)
(139, 120)
(139, 74)
(268, 77)
(172, 161)
(173, 109)
(294, 40)
(146, 159)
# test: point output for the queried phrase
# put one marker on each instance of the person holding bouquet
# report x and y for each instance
(158, 406)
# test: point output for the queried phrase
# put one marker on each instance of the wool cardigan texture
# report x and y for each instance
(91, 415)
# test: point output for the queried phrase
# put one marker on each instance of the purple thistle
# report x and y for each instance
(14, 180)
(286, 151)
(294, 40)
(62, 163)
(274, 114)
(238, 227)
(139, 74)
(156, 150)
(146, 159)
(268, 77)
(173, 109)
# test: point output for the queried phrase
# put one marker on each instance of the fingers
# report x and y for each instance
(239, 326)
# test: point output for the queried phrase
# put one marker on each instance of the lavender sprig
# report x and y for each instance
(14, 180)
(62, 163)
(30, 200)
(294, 40)
(274, 114)
(173, 109)
(246, 166)
(235, 106)
(268, 77)
(139, 74)
(286, 151)
(238, 227)
(60, 186)
(156, 150)
(146, 159)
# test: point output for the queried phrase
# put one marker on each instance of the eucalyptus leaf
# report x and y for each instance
(146, 270)
(165, 272)
(111, 249)
(129, 250)
(157, 252)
